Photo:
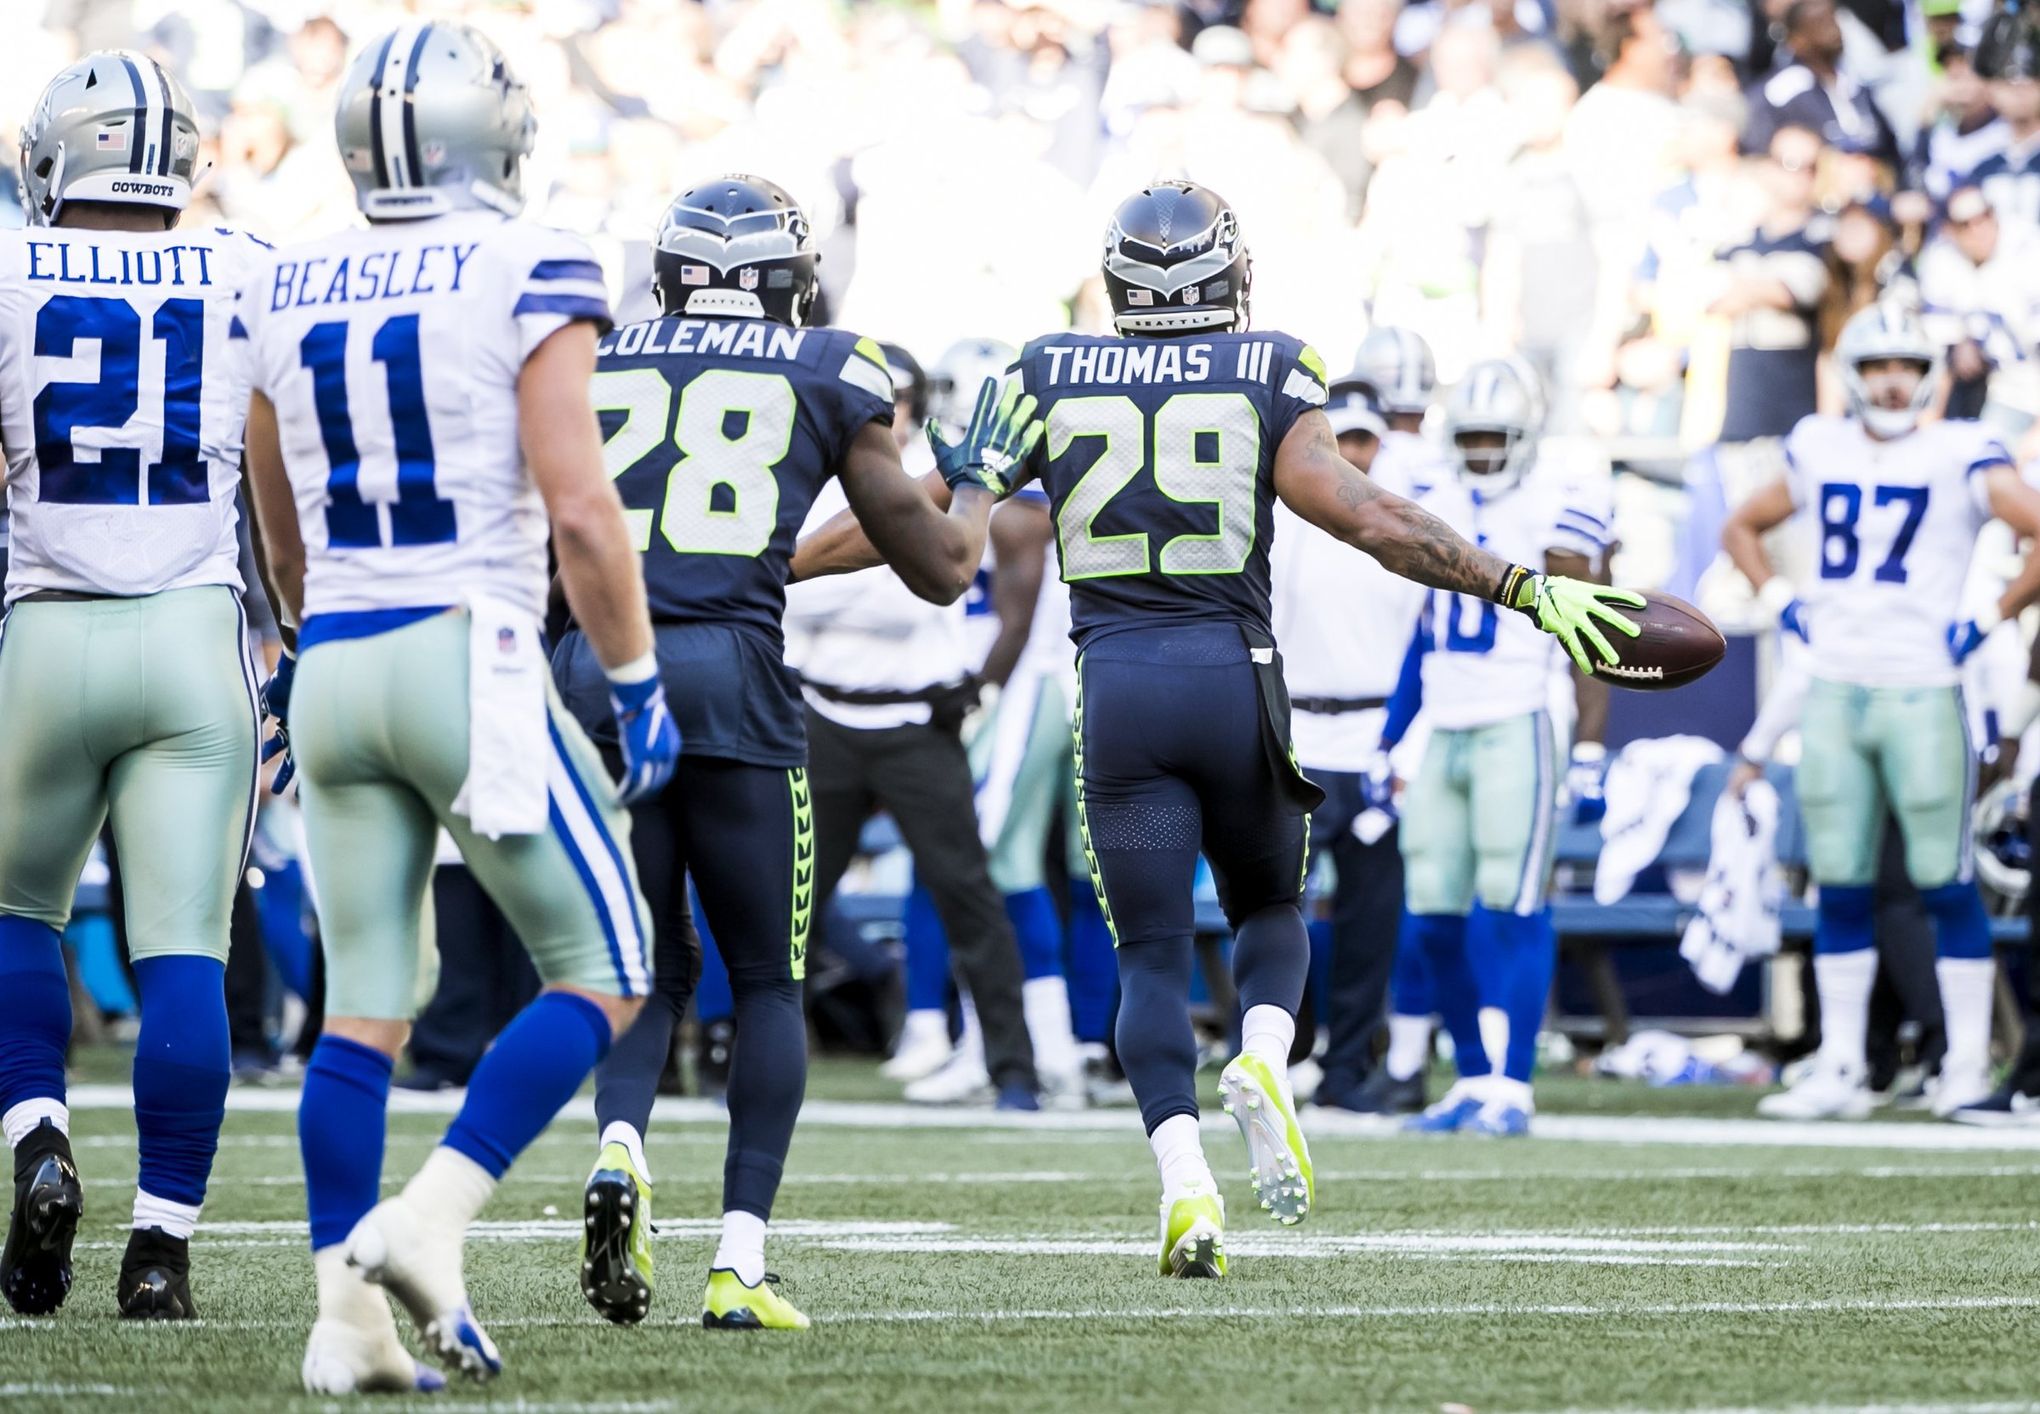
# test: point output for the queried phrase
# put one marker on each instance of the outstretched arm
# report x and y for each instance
(839, 545)
(896, 519)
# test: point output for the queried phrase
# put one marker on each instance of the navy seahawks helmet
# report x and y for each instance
(735, 246)
(1175, 263)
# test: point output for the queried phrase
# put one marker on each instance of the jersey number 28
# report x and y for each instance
(732, 429)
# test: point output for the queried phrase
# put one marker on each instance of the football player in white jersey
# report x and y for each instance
(126, 685)
(420, 420)
(1341, 671)
(1479, 819)
(1896, 502)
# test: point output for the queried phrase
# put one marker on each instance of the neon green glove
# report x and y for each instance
(1567, 609)
(1003, 430)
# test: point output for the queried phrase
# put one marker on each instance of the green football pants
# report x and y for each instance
(1869, 748)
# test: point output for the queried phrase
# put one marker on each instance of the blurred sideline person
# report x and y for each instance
(1341, 667)
(420, 418)
(888, 680)
(127, 687)
(1897, 503)
(728, 417)
(1479, 820)
(1167, 445)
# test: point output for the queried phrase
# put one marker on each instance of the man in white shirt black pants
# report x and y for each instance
(1344, 623)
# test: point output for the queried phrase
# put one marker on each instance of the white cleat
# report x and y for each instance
(1960, 1090)
(1826, 1093)
(341, 1358)
(420, 1265)
(964, 1081)
(923, 1049)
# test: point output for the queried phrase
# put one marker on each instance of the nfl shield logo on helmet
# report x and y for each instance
(747, 278)
(1190, 294)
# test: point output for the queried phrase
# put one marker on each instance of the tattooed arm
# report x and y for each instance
(1320, 485)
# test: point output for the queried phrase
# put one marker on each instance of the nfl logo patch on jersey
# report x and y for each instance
(111, 140)
(506, 640)
(747, 278)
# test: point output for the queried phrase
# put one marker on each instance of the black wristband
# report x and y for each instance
(1512, 580)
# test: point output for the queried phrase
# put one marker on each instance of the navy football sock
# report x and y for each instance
(1442, 937)
(1845, 919)
(183, 1064)
(1531, 948)
(1038, 928)
(768, 1081)
(1961, 928)
(927, 953)
(1157, 1047)
(533, 1069)
(1093, 971)
(1271, 958)
(627, 1080)
(340, 1134)
(35, 1022)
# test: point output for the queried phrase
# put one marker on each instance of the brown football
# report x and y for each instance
(1678, 645)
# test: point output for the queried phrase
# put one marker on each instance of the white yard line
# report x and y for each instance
(841, 1114)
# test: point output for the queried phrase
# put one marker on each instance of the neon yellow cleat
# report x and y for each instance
(1260, 1102)
(1193, 1235)
(616, 1239)
(729, 1305)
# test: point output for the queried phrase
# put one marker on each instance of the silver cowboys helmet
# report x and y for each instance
(954, 381)
(2004, 858)
(113, 127)
(1886, 330)
(1497, 395)
(431, 120)
(1398, 363)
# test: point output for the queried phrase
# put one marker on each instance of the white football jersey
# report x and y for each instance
(1343, 622)
(1897, 523)
(392, 354)
(1488, 664)
(121, 408)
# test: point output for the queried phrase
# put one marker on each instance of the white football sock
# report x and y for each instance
(20, 1120)
(1494, 1036)
(345, 1295)
(449, 1190)
(927, 1026)
(619, 1132)
(1179, 1154)
(970, 1038)
(742, 1248)
(176, 1219)
(1267, 1033)
(1844, 980)
(1966, 984)
(1045, 1002)
(1409, 1045)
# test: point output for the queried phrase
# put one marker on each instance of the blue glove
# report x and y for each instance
(275, 701)
(651, 741)
(1967, 636)
(1377, 784)
(1586, 781)
(1003, 430)
(1792, 618)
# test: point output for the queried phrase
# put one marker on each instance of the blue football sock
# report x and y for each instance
(1320, 962)
(713, 1000)
(1961, 928)
(1038, 927)
(1487, 954)
(1844, 920)
(1410, 992)
(340, 1134)
(533, 1069)
(1093, 972)
(1530, 947)
(1442, 937)
(35, 1023)
(183, 1064)
(927, 953)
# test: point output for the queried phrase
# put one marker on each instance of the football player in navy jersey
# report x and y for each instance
(1165, 449)
(723, 418)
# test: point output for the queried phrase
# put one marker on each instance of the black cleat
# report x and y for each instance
(35, 1269)
(1380, 1094)
(155, 1277)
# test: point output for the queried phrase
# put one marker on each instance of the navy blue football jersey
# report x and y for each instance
(1159, 463)
(719, 434)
